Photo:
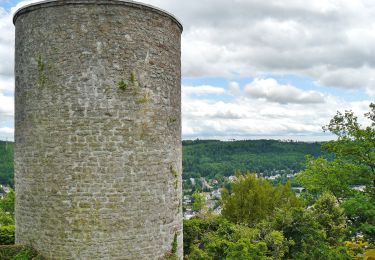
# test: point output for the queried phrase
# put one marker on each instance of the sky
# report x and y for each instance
(254, 69)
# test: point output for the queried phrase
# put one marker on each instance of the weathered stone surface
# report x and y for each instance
(98, 130)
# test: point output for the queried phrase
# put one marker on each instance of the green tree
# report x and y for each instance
(7, 219)
(7, 202)
(199, 201)
(7, 163)
(309, 238)
(331, 218)
(322, 175)
(252, 200)
(355, 144)
(7, 235)
(260, 221)
(353, 163)
(360, 211)
(214, 237)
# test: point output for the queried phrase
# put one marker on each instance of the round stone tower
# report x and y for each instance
(98, 130)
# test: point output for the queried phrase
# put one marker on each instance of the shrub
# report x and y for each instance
(7, 235)
(19, 252)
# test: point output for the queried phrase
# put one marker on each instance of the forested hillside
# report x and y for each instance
(6, 163)
(213, 158)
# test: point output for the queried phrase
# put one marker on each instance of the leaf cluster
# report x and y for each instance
(252, 200)
(260, 221)
(353, 164)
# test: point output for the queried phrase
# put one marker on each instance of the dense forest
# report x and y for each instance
(213, 158)
(6, 163)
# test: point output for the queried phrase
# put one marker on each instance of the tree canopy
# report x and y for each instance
(252, 200)
(353, 164)
(260, 221)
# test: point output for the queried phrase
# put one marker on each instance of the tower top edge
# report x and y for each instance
(131, 3)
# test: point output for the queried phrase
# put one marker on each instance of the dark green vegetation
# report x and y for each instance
(353, 163)
(214, 159)
(331, 220)
(258, 197)
(6, 163)
(7, 219)
(18, 252)
(260, 221)
(9, 251)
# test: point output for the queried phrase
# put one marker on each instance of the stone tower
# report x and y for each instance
(98, 130)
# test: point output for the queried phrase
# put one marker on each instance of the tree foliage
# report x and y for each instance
(214, 237)
(260, 221)
(6, 163)
(7, 202)
(252, 200)
(353, 164)
(7, 219)
(199, 201)
(355, 144)
(330, 216)
(360, 212)
(214, 159)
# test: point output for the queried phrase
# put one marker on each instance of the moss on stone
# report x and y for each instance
(123, 85)
(42, 67)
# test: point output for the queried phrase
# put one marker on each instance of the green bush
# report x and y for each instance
(6, 218)
(7, 202)
(7, 235)
(18, 252)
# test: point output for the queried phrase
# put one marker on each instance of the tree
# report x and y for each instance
(7, 219)
(7, 202)
(331, 218)
(360, 211)
(322, 175)
(355, 144)
(353, 163)
(198, 201)
(309, 237)
(214, 237)
(354, 157)
(253, 200)
(260, 221)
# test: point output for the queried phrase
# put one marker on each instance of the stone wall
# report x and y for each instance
(98, 130)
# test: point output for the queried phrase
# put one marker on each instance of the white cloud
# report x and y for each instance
(322, 39)
(371, 91)
(6, 107)
(6, 133)
(316, 38)
(329, 41)
(202, 90)
(6, 44)
(348, 78)
(234, 88)
(7, 71)
(6, 117)
(270, 90)
(6, 84)
(279, 116)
